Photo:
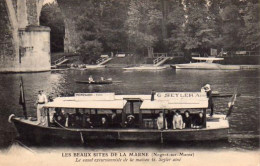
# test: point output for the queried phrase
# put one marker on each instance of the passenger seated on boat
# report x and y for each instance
(115, 120)
(104, 123)
(160, 121)
(89, 124)
(169, 118)
(187, 120)
(177, 121)
(59, 118)
(199, 121)
(84, 119)
(90, 79)
(76, 119)
(130, 121)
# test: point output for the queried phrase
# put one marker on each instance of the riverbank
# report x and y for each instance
(137, 60)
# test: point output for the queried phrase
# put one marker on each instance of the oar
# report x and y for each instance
(231, 103)
(117, 81)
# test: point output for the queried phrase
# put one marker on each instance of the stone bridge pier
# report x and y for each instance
(24, 44)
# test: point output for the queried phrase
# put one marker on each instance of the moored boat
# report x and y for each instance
(142, 109)
(206, 63)
(147, 67)
(95, 66)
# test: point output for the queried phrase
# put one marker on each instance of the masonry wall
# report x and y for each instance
(24, 45)
(71, 9)
(34, 49)
(8, 56)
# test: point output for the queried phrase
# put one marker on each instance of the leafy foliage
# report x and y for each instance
(51, 16)
(180, 25)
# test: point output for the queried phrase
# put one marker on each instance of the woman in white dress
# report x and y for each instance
(160, 121)
(177, 121)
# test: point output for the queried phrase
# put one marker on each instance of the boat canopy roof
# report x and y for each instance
(161, 100)
(177, 100)
(115, 104)
(207, 58)
(159, 105)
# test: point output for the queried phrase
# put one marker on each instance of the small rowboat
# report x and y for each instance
(97, 82)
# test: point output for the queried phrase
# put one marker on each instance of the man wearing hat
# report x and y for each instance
(130, 121)
(208, 90)
(41, 100)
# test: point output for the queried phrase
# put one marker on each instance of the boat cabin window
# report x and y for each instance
(85, 118)
(130, 117)
(188, 118)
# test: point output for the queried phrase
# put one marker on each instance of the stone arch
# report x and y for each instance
(51, 16)
(29, 41)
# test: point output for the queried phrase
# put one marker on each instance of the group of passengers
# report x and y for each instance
(83, 120)
(174, 120)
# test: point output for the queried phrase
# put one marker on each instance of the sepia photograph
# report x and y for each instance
(129, 82)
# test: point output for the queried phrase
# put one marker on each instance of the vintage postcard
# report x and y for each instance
(129, 82)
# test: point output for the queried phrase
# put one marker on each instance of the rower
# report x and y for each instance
(101, 78)
(90, 79)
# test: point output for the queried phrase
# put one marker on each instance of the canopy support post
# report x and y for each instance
(48, 117)
(161, 138)
(164, 119)
(205, 117)
(132, 107)
(123, 117)
(140, 118)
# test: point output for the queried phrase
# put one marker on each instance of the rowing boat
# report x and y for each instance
(95, 83)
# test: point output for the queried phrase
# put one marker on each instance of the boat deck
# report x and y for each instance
(215, 122)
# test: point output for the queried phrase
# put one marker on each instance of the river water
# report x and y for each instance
(244, 121)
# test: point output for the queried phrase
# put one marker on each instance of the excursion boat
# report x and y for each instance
(207, 64)
(144, 110)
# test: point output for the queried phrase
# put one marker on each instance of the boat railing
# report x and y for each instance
(161, 57)
(102, 59)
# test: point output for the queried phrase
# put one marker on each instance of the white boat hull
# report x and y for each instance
(207, 66)
(95, 66)
(146, 68)
(29, 130)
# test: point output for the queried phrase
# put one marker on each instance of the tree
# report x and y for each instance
(143, 24)
(250, 33)
(51, 16)
(193, 26)
(232, 22)
(102, 28)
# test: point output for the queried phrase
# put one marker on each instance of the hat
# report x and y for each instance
(207, 87)
(130, 116)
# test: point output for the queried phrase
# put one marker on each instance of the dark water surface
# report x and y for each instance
(244, 121)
